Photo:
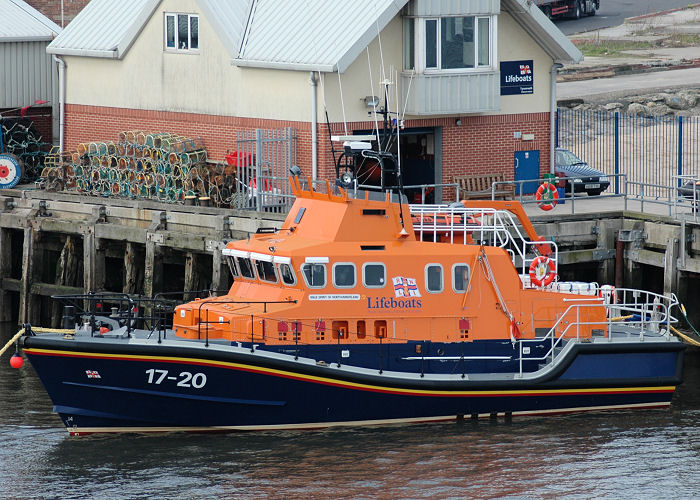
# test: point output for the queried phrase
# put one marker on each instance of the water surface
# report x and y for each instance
(624, 454)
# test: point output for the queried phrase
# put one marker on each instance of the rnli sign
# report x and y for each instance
(10, 171)
(517, 77)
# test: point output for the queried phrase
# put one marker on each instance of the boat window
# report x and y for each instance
(232, 266)
(433, 278)
(300, 214)
(460, 277)
(266, 271)
(314, 275)
(374, 275)
(287, 274)
(245, 267)
(344, 275)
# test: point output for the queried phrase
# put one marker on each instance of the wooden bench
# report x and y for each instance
(478, 187)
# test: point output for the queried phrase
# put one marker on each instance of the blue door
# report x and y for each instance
(527, 166)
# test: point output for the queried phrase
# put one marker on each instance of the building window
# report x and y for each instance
(182, 32)
(452, 44)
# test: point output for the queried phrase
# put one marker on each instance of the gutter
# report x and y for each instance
(553, 116)
(61, 99)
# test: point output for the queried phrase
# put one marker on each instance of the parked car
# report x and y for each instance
(583, 177)
(690, 190)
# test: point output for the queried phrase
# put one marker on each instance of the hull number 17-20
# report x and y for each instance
(184, 379)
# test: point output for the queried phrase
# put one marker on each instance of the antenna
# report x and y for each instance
(342, 103)
(374, 104)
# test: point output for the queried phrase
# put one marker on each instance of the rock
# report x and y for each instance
(657, 97)
(612, 106)
(679, 101)
(691, 97)
(659, 109)
(637, 109)
(569, 103)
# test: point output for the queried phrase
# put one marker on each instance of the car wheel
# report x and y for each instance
(593, 9)
(577, 10)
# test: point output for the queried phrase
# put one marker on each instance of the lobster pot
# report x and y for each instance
(142, 165)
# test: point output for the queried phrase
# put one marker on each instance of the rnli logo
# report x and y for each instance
(525, 69)
(406, 296)
(405, 287)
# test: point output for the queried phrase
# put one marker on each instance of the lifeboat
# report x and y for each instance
(362, 309)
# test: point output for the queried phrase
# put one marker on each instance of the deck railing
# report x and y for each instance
(626, 309)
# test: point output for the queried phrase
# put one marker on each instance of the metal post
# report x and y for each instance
(617, 152)
(252, 334)
(258, 170)
(680, 149)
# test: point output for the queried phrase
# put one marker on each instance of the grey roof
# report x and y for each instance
(229, 19)
(23, 23)
(106, 28)
(313, 34)
(319, 35)
(542, 30)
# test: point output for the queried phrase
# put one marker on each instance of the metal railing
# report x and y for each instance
(627, 310)
(488, 226)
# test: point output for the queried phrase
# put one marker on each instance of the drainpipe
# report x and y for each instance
(61, 99)
(553, 117)
(314, 125)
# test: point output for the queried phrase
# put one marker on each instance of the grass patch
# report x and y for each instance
(611, 48)
(681, 40)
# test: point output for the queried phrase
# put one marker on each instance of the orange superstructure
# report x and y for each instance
(355, 270)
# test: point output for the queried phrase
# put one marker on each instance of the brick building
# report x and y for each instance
(471, 79)
(60, 12)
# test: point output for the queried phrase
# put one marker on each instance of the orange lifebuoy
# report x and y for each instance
(547, 196)
(542, 271)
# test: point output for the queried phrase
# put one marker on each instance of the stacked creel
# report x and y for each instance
(22, 139)
(146, 165)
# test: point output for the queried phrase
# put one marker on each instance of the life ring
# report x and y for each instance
(542, 271)
(547, 196)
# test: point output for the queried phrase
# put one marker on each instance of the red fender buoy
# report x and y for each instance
(16, 361)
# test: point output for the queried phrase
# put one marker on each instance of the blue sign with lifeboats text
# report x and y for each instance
(517, 77)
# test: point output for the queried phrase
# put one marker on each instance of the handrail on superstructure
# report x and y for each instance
(481, 224)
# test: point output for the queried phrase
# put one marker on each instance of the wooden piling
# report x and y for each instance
(5, 272)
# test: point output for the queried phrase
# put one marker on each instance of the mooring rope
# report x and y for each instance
(11, 341)
(34, 329)
(690, 340)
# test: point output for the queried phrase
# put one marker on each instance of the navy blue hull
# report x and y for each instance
(113, 387)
